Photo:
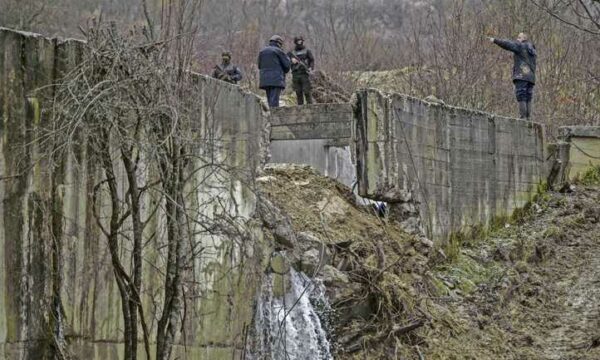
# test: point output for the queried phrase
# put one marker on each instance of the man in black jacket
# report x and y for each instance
(226, 71)
(523, 70)
(303, 64)
(273, 64)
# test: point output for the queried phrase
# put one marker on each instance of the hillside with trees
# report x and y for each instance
(420, 48)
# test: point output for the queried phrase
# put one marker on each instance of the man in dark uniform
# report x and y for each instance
(226, 71)
(273, 64)
(303, 64)
(523, 70)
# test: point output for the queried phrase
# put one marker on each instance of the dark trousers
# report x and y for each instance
(524, 94)
(273, 94)
(523, 90)
(303, 88)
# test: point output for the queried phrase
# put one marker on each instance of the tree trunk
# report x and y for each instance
(174, 186)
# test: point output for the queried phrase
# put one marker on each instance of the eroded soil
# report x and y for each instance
(529, 290)
(535, 290)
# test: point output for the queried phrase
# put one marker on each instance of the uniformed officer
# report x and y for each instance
(303, 63)
(227, 71)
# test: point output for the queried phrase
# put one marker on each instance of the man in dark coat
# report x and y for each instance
(523, 70)
(273, 64)
(226, 71)
(303, 64)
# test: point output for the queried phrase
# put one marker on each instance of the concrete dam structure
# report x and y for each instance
(227, 273)
(462, 168)
(449, 168)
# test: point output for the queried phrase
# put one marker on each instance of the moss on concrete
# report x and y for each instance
(90, 298)
(584, 154)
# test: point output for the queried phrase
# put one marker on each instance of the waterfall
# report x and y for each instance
(288, 327)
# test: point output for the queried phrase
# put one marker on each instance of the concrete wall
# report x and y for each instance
(462, 168)
(226, 275)
(584, 149)
(316, 135)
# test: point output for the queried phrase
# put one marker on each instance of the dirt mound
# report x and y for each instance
(326, 90)
(323, 206)
(372, 269)
(528, 290)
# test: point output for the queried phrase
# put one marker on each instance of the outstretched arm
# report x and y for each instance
(506, 44)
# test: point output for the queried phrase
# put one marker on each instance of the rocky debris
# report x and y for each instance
(412, 225)
(370, 266)
(424, 245)
(313, 253)
(528, 290)
(332, 207)
(333, 277)
(407, 214)
(265, 179)
(277, 222)
(279, 264)
(310, 262)
(308, 240)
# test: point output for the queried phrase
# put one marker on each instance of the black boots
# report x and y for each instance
(523, 113)
(525, 109)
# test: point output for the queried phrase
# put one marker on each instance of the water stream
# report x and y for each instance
(288, 327)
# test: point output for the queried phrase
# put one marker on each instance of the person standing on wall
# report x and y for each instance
(523, 70)
(226, 71)
(273, 64)
(303, 64)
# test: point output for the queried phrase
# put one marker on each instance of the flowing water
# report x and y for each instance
(288, 327)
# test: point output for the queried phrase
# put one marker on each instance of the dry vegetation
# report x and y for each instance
(525, 291)
(506, 294)
(431, 47)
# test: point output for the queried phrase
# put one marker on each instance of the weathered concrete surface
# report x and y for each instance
(327, 158)
(568, 132)
(317, 121)
(583, 150)
(463, 168)
(317, 135)
(227, 274)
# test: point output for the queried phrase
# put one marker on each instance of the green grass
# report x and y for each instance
(591, 176)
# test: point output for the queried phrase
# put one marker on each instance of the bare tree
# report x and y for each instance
(23, 15)
(583, 15)
(136, 103)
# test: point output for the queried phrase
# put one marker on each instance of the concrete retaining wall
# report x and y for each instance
(583, 149)
(458, 168)
(316, 135)
(226, 275)
(462, 168)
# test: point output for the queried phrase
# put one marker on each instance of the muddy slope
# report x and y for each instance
(530, 290)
